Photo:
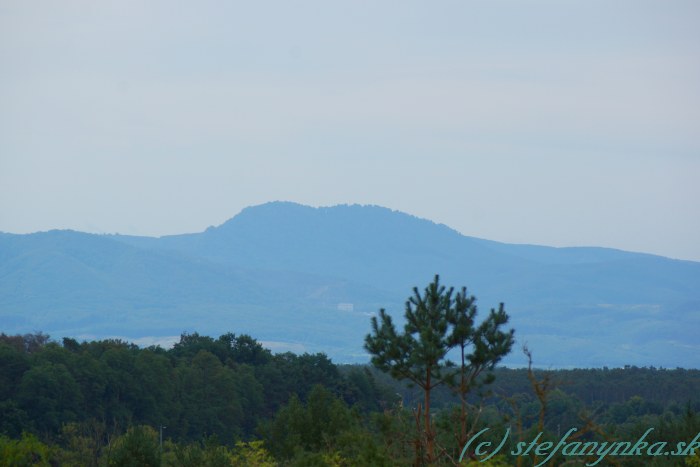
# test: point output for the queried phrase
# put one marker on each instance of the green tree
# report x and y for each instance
(138, 447)
(155, 373)
(313, 426)
(209, 393)
(479, 349)
(13, 364)
(437, 322)
(50, 396)
(245, 349)
(23, 452)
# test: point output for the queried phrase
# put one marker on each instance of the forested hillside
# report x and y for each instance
(229, 401)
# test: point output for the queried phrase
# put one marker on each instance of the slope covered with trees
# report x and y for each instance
(229, 401)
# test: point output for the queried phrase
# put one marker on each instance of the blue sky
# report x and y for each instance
(548, 122)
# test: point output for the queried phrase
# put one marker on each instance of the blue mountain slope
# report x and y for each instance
(366, 243)
(75, 283)
(393, 251)
(310, 278)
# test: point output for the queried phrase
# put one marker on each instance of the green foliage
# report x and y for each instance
(362, 389)
(252, 454)
(203, 386)
(206, 388)
(323, 431)
(437, 322)
(49, 395)
(13, 419)
(82, 443)
(210, 453)
(27, 451)
(13, 363)
(137, 448)
(100, 403)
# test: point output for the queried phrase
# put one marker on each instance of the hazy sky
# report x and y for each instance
(550, 122)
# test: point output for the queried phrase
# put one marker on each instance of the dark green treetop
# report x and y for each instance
(437, 322)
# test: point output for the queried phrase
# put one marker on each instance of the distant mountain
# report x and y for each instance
(309, 278)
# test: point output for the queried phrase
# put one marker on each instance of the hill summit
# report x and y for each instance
(307, 278)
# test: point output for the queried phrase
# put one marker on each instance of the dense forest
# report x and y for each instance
(229, 401)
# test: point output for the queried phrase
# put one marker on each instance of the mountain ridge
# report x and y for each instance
(332, 267)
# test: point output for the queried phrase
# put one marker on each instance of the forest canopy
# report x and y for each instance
(87, 403)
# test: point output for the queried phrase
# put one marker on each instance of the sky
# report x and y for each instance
(561, 122)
